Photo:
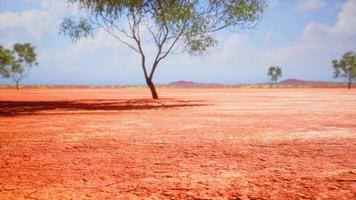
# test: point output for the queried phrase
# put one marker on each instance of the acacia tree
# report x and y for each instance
(274, 72)
(17, 63)
(187, 25)
(6, 59)
(346, 67)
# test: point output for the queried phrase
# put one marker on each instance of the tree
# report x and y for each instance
(187, 25)
(274, 72)
(6, 59)
(17, 63)
(346, 67)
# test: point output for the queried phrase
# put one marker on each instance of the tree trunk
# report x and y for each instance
(152, 88)
(17, 86)
(349, 85)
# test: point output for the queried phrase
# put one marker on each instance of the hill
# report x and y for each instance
(292, 81)
(192, 84)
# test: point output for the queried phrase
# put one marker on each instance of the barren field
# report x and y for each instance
(190, 144)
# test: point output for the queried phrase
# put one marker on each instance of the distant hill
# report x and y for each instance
(288, 83)
(192, 84)
(292, 81)
(184, 83)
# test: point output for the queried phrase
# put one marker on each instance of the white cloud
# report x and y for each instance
(233, 41)
(346, 22)
(101, 41)
(309, 5)
(320, 42)
(235, 61)
(33, 23)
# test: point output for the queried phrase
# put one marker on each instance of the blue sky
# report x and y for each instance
(301, 36)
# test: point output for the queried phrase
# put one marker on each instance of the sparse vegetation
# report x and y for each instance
(346, 67)
(188, 25)
(274, 73)
(17, 63)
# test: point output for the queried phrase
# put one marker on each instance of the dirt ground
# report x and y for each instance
(191, 144)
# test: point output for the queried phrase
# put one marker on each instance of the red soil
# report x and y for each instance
(191, 144)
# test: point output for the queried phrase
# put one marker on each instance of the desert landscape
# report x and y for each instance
(178, 99)
(192, 143)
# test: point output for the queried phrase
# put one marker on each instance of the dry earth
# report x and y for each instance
(191, 144)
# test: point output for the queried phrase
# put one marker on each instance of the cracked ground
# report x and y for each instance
(190, 144)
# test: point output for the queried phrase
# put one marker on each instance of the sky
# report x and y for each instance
(300, 36)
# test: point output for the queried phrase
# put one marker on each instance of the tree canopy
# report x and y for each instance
(17, 63)
(6, 59)
(274, 72)
(346, 67)
(187, 25)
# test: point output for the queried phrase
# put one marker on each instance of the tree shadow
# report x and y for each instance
(14, 108)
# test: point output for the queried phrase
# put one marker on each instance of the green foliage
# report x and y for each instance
(188, 25)
(192, 21)
(17, 63)
(274, 72)
(76, 30)
(6, 60)
(346, 67)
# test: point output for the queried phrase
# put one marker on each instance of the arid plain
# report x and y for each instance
(190, 144)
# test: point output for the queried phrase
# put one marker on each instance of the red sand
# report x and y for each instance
(191, 144)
